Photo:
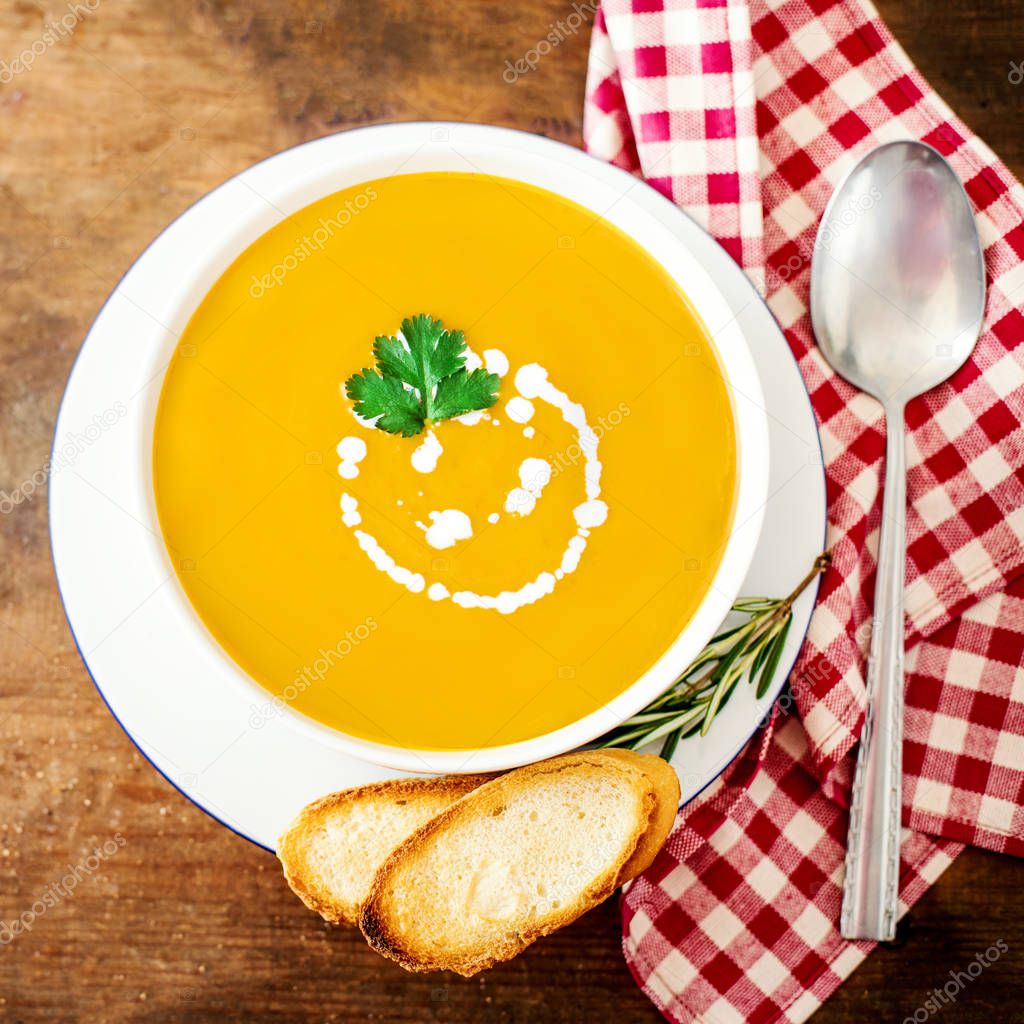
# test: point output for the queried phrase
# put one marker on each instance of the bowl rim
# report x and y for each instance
(533, 160)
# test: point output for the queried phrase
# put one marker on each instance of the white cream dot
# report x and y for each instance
(496, 361)
(351, 451)
(591, 513)
(447, 528)
(429, 450)
(520, 410)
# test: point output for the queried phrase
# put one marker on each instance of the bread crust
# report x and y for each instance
(667, 794)
(385, 939)
(294, 843)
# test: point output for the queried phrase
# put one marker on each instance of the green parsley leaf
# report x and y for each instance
(375, 395)
(464, 392)
(420, 376)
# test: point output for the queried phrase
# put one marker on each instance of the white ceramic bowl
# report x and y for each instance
(203, 242)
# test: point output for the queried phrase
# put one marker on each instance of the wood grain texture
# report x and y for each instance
(113, 131)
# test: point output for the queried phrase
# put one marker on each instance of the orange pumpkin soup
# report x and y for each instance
(500, 574)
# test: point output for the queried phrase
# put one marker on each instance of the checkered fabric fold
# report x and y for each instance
(747, 113)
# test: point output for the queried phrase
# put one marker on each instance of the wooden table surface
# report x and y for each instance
(114, 129)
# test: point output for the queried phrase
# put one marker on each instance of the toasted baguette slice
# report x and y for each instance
(667, 795)
(513, 860)
(332, 850)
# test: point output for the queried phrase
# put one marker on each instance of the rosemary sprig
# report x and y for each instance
(751, 649)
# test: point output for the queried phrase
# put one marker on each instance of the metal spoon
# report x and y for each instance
(897, 298)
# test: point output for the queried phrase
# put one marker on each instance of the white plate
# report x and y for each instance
(164, 679)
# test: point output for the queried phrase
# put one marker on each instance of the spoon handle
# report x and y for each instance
(870, 891)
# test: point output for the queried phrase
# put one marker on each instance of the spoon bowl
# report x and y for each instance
(898, 277)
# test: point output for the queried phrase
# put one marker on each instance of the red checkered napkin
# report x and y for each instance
(747, 113)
